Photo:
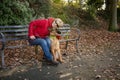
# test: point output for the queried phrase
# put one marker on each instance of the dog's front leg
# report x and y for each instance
(60, 56)
(54, 55)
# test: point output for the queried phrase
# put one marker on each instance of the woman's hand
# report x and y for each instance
(32, 37)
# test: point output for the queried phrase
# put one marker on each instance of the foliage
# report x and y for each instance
(41, 7)
(95, 3)
(56, 1)
(58, 10)
(93, 6)
(66, 11)
(15, 12)
(119, 3)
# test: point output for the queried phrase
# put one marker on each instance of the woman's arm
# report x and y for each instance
(30, 31)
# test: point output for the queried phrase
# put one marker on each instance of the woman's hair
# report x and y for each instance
(59, 22)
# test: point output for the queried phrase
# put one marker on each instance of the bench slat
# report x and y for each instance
(14, 39)
(16, 34)
(64, 31)
(17, 30)
(68, 40)
(16, 46)
(7, 27)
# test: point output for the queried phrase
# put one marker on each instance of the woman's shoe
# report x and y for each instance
(53, 62)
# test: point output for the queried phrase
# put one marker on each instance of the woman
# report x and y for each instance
(38, 34)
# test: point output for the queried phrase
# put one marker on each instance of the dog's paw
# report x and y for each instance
(62, 61)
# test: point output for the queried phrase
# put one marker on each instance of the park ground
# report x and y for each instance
(98, 59)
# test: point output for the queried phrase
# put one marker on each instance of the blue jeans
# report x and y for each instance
(45, 45)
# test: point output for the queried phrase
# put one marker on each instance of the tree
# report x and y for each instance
(113, 16)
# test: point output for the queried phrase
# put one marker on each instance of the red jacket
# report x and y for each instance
(39, 27)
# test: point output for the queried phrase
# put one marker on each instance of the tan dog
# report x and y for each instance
(55, 46)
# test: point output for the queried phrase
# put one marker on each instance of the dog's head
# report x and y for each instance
(54, 30)
(55, 33)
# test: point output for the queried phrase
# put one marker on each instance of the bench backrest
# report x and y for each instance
(20, 32)
(65, 31)
(14, 32)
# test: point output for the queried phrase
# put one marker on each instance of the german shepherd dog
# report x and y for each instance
(55, 45)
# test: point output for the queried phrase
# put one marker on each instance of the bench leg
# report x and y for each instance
(77, 45)
(36, 49)
(2, 57)
(66, 45)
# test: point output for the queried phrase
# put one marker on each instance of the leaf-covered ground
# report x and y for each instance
(98, 58)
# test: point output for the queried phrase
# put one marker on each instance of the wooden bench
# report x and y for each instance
(17, 33)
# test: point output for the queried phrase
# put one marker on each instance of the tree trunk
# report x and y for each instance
(113, 17)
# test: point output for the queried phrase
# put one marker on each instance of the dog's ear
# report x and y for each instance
(58, 31)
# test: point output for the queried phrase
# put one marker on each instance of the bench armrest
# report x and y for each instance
(2, 40)
(76, 32)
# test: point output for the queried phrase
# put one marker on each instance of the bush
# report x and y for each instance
(14, 12)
